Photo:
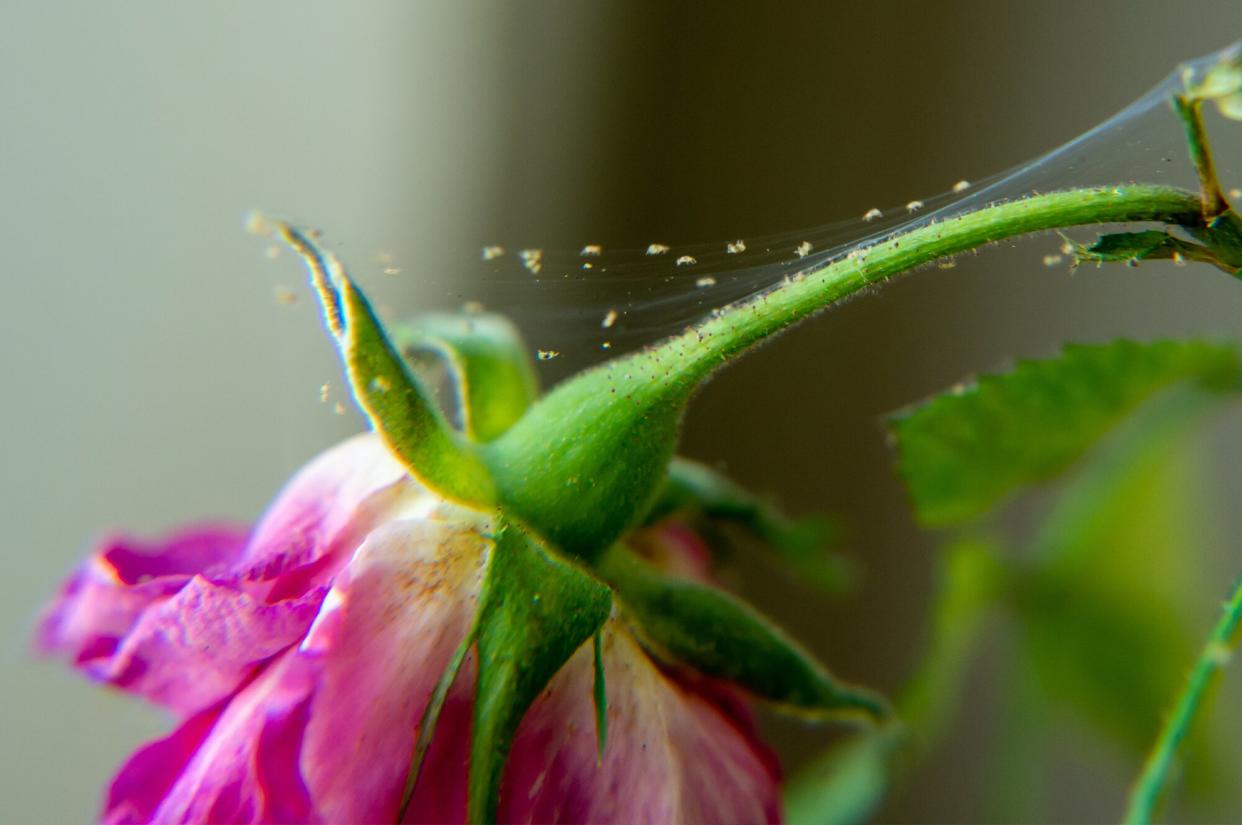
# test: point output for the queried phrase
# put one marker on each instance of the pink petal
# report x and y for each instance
(672, 755)
(184, 621)
(104, 597)
(192, 649)
(394, 618)
(232, 763)
(323, 514)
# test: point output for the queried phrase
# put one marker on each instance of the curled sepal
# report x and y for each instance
(492, 372)
(535, 611)
(694, 490)
(961, 452)
(686, 622)
(399, 408)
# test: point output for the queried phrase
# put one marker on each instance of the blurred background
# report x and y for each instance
(155, 371)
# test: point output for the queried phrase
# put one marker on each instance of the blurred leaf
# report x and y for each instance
(850, 781)
(697, 625)
(960, 453)
(971, 581)
(1105, 601)
(846, 785)
(535, 611)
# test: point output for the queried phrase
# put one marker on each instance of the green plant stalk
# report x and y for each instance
(1152, 782)
(703, 348)
(556, 468)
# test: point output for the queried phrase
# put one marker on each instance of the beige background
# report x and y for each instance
(150, 378)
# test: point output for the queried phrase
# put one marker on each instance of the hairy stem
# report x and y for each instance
(1152, 782)
(692, 355)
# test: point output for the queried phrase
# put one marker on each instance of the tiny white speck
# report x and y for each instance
(736, 247)
(686, 260)
(610, 318)
(872, 214)
(491, 253)
(803, 249)
(657, 249)
(591, 250)
(1052, 260)
(914, 206)
(961, 186)
(706, 280)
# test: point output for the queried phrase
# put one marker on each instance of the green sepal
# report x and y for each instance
(430, 717)
(600, 696)
(961, 452)
(401, 411)
(696, 491)
(686, 622)
(491, 367)
(559, 467)
(535, 611)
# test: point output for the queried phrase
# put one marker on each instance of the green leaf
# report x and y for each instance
(960, 453)
(719, 636)
(536, 610)
(1151, 245)
(695, 490)
(847, 785)
(399, 408)
(1106, 596)
(493, 376)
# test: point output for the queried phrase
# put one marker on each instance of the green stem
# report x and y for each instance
(557, 469)
(1152, 782)
(1190, 112)
(700, 350)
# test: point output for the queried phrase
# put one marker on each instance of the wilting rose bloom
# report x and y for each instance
(299, 656)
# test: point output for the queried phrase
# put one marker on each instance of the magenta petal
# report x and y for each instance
(392, 622)
(105, 596)
(192, 649)
(324, 512)
(236, 763)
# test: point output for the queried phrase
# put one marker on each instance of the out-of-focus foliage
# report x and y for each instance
(1101, 592)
